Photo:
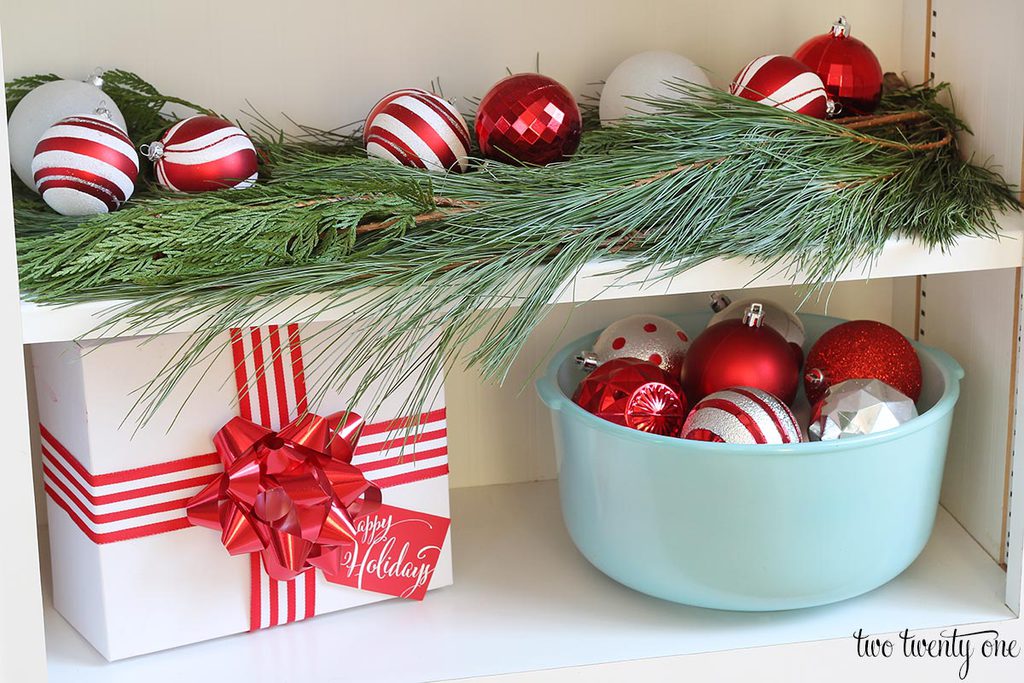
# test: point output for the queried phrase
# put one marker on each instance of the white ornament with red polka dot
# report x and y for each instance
(647, 337)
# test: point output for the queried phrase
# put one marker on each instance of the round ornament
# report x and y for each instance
(203, 153)
(646, 337)
(45, 106)
(741, 353)
(417, 128)
(848, 68)
(784, 83)
(780, 319)
(859, 406)
(742, 415)
(646, 75)
(85, 165)
(635, 394)
(529, 119)
(862, 349)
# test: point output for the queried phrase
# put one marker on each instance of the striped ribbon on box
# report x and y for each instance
(270, 381)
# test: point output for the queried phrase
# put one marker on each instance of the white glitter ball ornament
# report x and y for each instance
(742, 415)
(859, 406)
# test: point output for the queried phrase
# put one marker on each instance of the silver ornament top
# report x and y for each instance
(754, 315)
(859, 406)
(719, 302)
(841, 28)
(153, 150)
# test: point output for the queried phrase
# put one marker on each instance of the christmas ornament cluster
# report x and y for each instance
(70, 143)
(737, 381)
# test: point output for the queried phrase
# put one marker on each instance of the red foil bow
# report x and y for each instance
(292, 495)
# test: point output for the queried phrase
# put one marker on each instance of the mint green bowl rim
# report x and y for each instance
(552, 395)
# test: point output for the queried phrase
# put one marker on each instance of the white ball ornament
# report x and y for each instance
(45, 106)
(85, 165)
(648, 75)
(648, 337)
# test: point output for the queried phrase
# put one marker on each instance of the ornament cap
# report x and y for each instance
(152, 151)
(754, 315)
(841, 28)
(719, 302)
(587, 360)
(815, 376)
(96, 78)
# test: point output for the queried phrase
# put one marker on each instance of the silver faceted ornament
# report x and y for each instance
(859, 406)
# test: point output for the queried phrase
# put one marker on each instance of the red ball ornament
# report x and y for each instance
(529, 119)
(742, 415)
(635, 394)
(417, 128)
(862, 349)
(741, 353)
(848, 68)
(784, 83)
(203, 153)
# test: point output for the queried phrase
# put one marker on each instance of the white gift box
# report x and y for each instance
(123, 552)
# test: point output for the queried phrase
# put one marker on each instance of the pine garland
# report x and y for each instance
(465, 265)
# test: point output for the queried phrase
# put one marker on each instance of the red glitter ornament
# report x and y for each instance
(862, 349)
(530, 119)
(848, 68)
(741, 353)
(635, 394)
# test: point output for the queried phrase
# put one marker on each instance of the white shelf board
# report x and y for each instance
(524, 599)
(901, 257)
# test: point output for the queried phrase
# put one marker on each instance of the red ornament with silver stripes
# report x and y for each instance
(203, 153)
(742, 415)
(784, 83)
(85, 165)
(419, 129)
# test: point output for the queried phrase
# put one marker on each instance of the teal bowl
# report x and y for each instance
(747, 527)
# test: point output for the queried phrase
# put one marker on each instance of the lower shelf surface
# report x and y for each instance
(524, 599)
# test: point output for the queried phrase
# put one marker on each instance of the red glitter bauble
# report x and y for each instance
(636, 394)
(848, 68)
(530, 119)
(862, 349)
(740, 353)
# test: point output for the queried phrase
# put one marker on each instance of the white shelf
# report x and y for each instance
(596, 281)
(524, 599)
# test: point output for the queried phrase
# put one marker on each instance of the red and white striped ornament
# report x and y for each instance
(742, 415)
(203, 153)
(419, 129)
(784, 83)
(85, 165)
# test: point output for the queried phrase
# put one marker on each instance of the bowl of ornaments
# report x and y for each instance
(748, 458)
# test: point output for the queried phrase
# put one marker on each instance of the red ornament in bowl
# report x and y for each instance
(741, 353)
(635, 394)
(528, 119)
(849, 69)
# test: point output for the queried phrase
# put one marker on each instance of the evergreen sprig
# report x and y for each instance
(434, 270)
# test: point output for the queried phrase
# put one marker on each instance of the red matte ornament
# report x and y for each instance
(741, 353)
(849, 69)
(529, 119)
(862, 349)
(635, 394)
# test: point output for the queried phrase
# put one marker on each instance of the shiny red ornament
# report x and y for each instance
(741, 353)
(529, 119)
(784, 83)
(862, 349)
(849, 69)
(635, 394)
(203, 153)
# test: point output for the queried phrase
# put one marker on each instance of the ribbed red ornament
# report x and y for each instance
(862, 349)
(636, 394)
(530, 119)
(849, 69)
(740, 353)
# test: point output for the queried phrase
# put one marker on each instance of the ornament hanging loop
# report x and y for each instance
(587, 360)
(815, 376)
(754, 316)
(719, 302)
(841, 28)
(152, 151)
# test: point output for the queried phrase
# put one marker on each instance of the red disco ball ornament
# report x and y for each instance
(848, 68)
(862, 349)
(784, 83)
(635, 394)
(529, 119)
(741, 353)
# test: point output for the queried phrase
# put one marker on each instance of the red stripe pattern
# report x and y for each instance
(204, 153)
(85, 165)
(782, 82)
(271, 388)
(419, 129)
(742, 415)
